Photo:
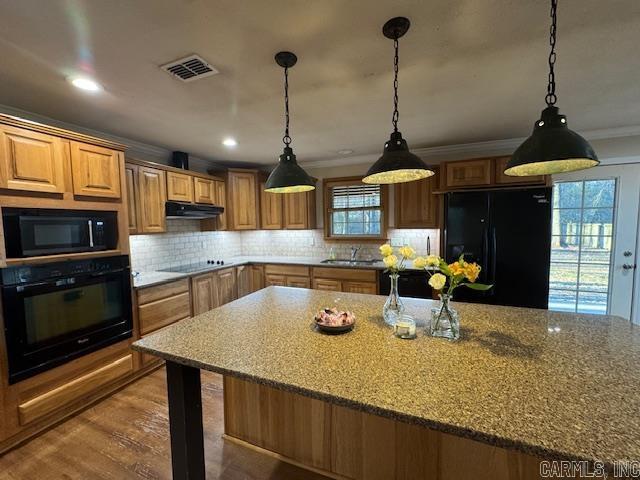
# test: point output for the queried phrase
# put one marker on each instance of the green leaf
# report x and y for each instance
(477, 286)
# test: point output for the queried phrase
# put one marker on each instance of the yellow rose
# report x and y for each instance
(407, 252)
(390, 261)
(437, 281)
(433, 260)
(420, 262)
(386, 250)
(471, 271)
(457, 268)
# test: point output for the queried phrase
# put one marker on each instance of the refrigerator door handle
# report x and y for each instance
(493, 256)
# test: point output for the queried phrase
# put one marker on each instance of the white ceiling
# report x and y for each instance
(470, 70)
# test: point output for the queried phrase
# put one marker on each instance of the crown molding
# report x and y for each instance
(470, 150)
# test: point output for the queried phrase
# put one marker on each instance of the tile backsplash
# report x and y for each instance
(184, 243)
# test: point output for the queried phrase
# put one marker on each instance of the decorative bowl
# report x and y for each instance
(333, 321)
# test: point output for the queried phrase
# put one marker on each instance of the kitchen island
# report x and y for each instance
(520, 386)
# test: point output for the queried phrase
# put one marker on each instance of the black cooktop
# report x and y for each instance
(197, 267)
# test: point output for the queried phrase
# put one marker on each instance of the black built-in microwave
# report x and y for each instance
(32, 232)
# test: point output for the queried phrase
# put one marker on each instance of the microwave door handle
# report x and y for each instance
(90, 223)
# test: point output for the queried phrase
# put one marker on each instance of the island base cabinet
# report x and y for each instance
(346, 443)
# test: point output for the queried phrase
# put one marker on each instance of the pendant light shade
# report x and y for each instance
(397, 164)
(288, 176)
(552, 147)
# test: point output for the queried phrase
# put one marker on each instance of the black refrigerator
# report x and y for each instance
(508, 233)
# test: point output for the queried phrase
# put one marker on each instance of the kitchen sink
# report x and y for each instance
(337, 261)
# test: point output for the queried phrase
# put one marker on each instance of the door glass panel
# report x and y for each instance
(581, 245)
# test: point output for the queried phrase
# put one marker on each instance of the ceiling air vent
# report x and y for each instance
(189, 68)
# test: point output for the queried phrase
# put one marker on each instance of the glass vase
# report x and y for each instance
(393, 307)
(445, 321)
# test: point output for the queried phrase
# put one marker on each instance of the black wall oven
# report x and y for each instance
(33, 232)
(59, 311)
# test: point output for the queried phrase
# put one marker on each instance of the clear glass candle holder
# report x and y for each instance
(405, 327)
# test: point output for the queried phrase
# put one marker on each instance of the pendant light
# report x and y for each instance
(552, 147)
(397, 164)
(288, 176)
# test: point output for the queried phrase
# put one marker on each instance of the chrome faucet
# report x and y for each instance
(354, 253)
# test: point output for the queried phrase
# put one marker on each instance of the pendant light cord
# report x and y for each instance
(551, 87)
(286, 139)
(396, 114)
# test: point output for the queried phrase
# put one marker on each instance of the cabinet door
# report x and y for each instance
(152, 195)
(468, 173)
(501, 178)
(95, 171)
(31, 161)
(274, 279)
(131, 180)
(270, 210)
(299, 282)
(179, 187)
(257, 277)
(225, 283)
(360, 287)
(243, 280)
(220, 199)
(203, 293)
(243, 199)
(416, 204)
(205, 191)
(299, 210)
(327, 284)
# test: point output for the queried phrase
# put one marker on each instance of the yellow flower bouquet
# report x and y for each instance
(445, 321)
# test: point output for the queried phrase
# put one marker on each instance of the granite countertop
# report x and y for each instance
(550, 384)
(150, 278)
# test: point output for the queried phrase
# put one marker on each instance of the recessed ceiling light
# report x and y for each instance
(345, 151)
(229, 142)
(85, 84)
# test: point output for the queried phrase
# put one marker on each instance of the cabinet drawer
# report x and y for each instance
(76, 389)
(346, 274)
(360, 287)
(273, 279)
(163, 312)
(468, 173)
(151, 294)
(299, 282)
(296, 270)
(327, 284)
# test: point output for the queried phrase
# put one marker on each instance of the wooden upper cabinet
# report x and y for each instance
(152, 196)
(242, 193)
(205, 190)
(220, 199)
(131, 182)
(416, 206)
(203, 293)
(270, 209)
(501, 163)
(95, 170)
(468, 173)
(179, 187)
(31, 161)
(299, 210)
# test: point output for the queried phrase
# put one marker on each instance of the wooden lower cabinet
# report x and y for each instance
(225, 283)
(243, 280)
(257, 277)
(345, 280)
(203, 293)
(287, 276)
(351, 444)
(162, 305)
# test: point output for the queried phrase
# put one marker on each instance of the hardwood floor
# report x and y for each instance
(126, 436)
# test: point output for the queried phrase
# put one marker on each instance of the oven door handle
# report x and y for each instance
(108, 272)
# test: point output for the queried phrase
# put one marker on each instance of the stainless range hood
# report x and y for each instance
(189, 210)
